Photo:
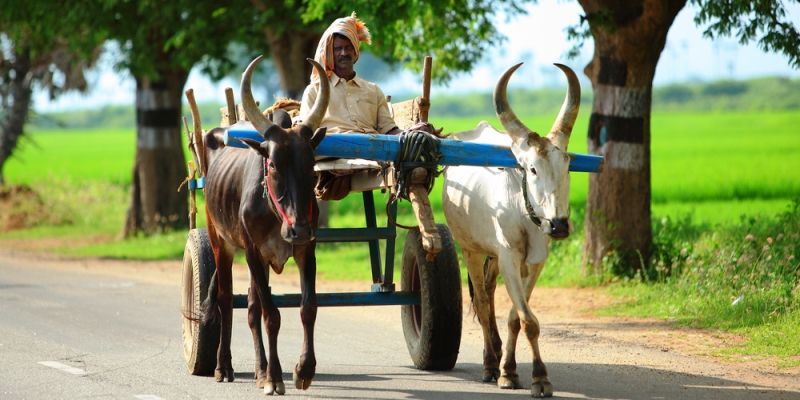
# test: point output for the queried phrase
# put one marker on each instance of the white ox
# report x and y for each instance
(505, 217)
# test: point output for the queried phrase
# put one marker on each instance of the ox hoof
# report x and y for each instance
(490, 375)
(300, 383)
(222, 374)
(261, 382)
(274, 388)
(509, 382)
(542, 388)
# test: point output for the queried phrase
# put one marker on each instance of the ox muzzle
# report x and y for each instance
(298, 234)
(557, 228)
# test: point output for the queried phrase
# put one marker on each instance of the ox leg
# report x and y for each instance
(509, 365)
(483, 305)
(490, 276)
(518, 292)
(306, 261)
(254, 321)
(224, 259)
(272, 320)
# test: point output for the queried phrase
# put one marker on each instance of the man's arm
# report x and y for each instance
(385, 122)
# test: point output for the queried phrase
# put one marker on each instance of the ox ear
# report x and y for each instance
(255, 145)
(319, 134)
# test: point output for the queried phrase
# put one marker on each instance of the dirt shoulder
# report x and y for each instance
(565, 314)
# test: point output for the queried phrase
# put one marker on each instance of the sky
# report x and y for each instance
(538, 39)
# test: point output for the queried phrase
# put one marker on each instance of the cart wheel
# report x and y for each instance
(200, 341)
(433, 328)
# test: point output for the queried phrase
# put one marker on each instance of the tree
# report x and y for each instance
(160, 43)
(629, 38)
(32, 53)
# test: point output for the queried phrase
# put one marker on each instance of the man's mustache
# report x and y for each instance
(345, 58)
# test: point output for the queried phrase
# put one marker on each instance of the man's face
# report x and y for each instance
(344, 54)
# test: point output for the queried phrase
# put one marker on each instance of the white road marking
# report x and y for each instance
(147, 397)
(63, 367)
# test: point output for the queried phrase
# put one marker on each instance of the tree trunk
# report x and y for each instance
(16, 98)
(156, 205)
(289, 50)
(629, 38)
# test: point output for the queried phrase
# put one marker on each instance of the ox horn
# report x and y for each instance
(254, 115)
(510, 122)
(562, 127)
(317, 112)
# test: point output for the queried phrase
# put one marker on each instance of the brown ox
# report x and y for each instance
(263, 201)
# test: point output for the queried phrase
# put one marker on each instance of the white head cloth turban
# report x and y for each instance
(350, 27)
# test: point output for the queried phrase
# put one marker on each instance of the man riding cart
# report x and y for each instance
(359, 106)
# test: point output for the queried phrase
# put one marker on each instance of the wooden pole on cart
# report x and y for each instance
(192, 174)
(195, 141)
(231, 104)
(425, 100)
(196, 144)
(417, 193)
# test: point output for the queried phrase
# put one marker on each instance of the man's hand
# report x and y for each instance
(394, 131)
(427, 127)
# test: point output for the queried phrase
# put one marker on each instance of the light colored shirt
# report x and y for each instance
(355, 106)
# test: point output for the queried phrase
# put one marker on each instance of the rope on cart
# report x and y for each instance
(417, 149)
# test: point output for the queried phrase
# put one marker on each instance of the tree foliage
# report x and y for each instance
(33, 53)
(762, 21)
(457, 33)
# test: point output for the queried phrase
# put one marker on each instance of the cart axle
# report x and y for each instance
(340, 299)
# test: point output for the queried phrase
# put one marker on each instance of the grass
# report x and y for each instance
(723, 186)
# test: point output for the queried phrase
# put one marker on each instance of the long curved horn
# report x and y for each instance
(321, 104)
(562, 127)
(513, 125)
(259, 121)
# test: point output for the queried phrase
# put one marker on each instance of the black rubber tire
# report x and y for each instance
(432, 329)
(200, 341)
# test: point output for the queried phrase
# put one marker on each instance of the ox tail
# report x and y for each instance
(471, 296)
(211, 313)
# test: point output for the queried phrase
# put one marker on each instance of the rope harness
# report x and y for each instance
(418, 149)
(528, 208)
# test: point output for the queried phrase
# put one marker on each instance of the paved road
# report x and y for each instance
(76, 331)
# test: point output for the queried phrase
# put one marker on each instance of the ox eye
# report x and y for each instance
(533, 171)
(271, 165)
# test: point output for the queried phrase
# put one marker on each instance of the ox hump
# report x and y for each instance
(484, 133)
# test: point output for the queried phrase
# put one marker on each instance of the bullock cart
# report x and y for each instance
(430, 287)
(430, 293)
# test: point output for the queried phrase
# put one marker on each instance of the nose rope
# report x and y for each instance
(528, 208)
(272, 196)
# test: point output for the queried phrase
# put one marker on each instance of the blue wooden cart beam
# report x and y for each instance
(386, 148)
(340, 299)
